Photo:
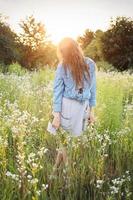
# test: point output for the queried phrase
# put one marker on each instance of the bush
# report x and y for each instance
(16, 69)
(3, 68)
(105, 66)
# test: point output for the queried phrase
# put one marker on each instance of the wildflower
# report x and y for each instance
(8, 173)
(29, 176)
(114, 190)
(34, 181)
(44, 186)
(38, 192)
(45, 150)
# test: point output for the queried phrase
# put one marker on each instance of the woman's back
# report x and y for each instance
(65, 84)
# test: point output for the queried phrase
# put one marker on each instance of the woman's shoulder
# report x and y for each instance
(89, 60)
(91, 63)
(59, 67)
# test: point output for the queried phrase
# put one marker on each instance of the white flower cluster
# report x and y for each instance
(99, 183)
(42, 151)
(13, 176)
(19, 121)
(3, 142)
(33, 181)
(33, 161)
(44, 187)
(118, 182)
(115, 184)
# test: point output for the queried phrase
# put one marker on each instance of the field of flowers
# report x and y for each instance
(102, 158)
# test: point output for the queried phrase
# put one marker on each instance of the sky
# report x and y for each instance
(64, 18)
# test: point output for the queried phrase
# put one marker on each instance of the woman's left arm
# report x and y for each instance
(58, 89)
(92, 100)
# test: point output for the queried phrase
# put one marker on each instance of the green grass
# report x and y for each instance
(101, 167)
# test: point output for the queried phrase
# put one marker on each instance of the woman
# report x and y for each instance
(74, 92)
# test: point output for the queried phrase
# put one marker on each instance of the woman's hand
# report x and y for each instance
(56, 120)
(91, 118)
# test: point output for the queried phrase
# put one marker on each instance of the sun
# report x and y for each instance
(59, 30)
(57, 36)
(59, 27)
(60, 23)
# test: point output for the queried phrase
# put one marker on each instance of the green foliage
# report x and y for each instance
(16, 69)
(105, 66)
(114, 45)
(110, 112)
(86, 39)
(3, 68)
(118, 43)
(34, 33)
(32, 48)
(93, 50)
(8, 46)
(37, 51)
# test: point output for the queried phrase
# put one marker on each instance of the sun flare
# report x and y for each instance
(72, 26)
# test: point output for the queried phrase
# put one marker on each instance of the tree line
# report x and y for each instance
(114, 45)
(32, 48)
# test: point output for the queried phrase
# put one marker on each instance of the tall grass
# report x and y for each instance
(101, 159)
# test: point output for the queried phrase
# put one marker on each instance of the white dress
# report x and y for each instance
(73, 115)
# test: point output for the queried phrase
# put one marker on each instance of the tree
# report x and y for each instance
(34, 33)
(117, 43)
(8, 44)
(35, 46)
(86, 39)
(94, 49)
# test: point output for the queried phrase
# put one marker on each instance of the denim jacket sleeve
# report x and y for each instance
(92, 99)
(58, 89)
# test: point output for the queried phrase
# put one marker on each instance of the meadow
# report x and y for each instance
(101, 165)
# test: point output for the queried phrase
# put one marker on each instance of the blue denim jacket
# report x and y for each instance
(64, 85)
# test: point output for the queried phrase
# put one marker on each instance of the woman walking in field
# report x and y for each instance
(74, 92)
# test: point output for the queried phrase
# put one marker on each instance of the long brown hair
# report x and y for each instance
(71, 55)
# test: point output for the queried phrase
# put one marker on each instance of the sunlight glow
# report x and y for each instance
(66, 18)
(59, 27)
